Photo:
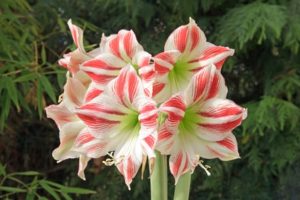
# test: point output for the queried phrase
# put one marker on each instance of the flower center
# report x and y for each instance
(131, 122)
(188, 122)
(179, 76)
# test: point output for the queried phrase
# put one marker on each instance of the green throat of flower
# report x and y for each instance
(188, 122)
(131, 122)
(179, 75)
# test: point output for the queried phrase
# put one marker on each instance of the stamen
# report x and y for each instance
(112, 160)
(205, 167)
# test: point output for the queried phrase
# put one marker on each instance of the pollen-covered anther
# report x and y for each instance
(205, 167)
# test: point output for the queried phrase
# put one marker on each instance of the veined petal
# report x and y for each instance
(180, 163)
(129, 167)
(77, 35)
(90, 146)
(215, 55)
(188, 39)
(104, 68)
(225, 149)
(94, 90)
(60, 114)
(67, 136)
(74, 92)
(164, 62)
(123, 45)
(218, 118)
(206, 84)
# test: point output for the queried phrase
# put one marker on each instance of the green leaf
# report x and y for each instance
(27, 173)
(11, 189)
(49, 189)
(2, 170)
(76, 190)
(26, 77)
(43, 55)
(66, 196)
(48, 88)
(12, 91)
(39, 94)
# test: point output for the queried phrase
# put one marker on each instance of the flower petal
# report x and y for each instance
(218, 118)
(225, 149)
(90, 146)
(123, 45)
(74, 93)
(77, 35)
(214, 54)
(60, 114)
(83, 161)
(188, 39)
(181, 163)
(67, 136)
(206, 84)
(103, 69)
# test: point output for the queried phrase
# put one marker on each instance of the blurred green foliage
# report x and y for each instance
(264, 76)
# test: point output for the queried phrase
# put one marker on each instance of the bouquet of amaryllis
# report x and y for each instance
(121, 103)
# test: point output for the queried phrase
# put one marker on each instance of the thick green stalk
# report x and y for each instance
(182, 189)
(159, 178)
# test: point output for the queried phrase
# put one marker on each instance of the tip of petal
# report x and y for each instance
(245, 113)
(191, 20)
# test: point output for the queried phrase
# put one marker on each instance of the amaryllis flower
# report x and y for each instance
(126, 118)
(186, 52)
(199, 123)
(75, 139)
(117, 51)
(72, 60)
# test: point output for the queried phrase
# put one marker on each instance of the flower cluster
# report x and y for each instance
(120, 101)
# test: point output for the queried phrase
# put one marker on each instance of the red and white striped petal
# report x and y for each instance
(215, 55)
(180, 163)
(93, 91)
(77, 35)
(129, 167)
(60, 114)
(225, 149)
(67, 136)
(83, 162)
(164, 62)
(74, 93)
(90, 146)
(206, 84)
(104, 68)
(218, 118)
(188, 39)
(174, 107)
(123, 45)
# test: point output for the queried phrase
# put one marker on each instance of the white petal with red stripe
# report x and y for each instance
(188, 39)
(206, 84)
(218, 118)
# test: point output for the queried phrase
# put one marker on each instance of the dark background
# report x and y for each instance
(263, 76)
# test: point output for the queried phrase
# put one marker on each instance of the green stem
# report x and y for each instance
(182, 189)
(159, 178)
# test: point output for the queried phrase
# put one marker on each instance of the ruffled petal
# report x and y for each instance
(188, 39)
